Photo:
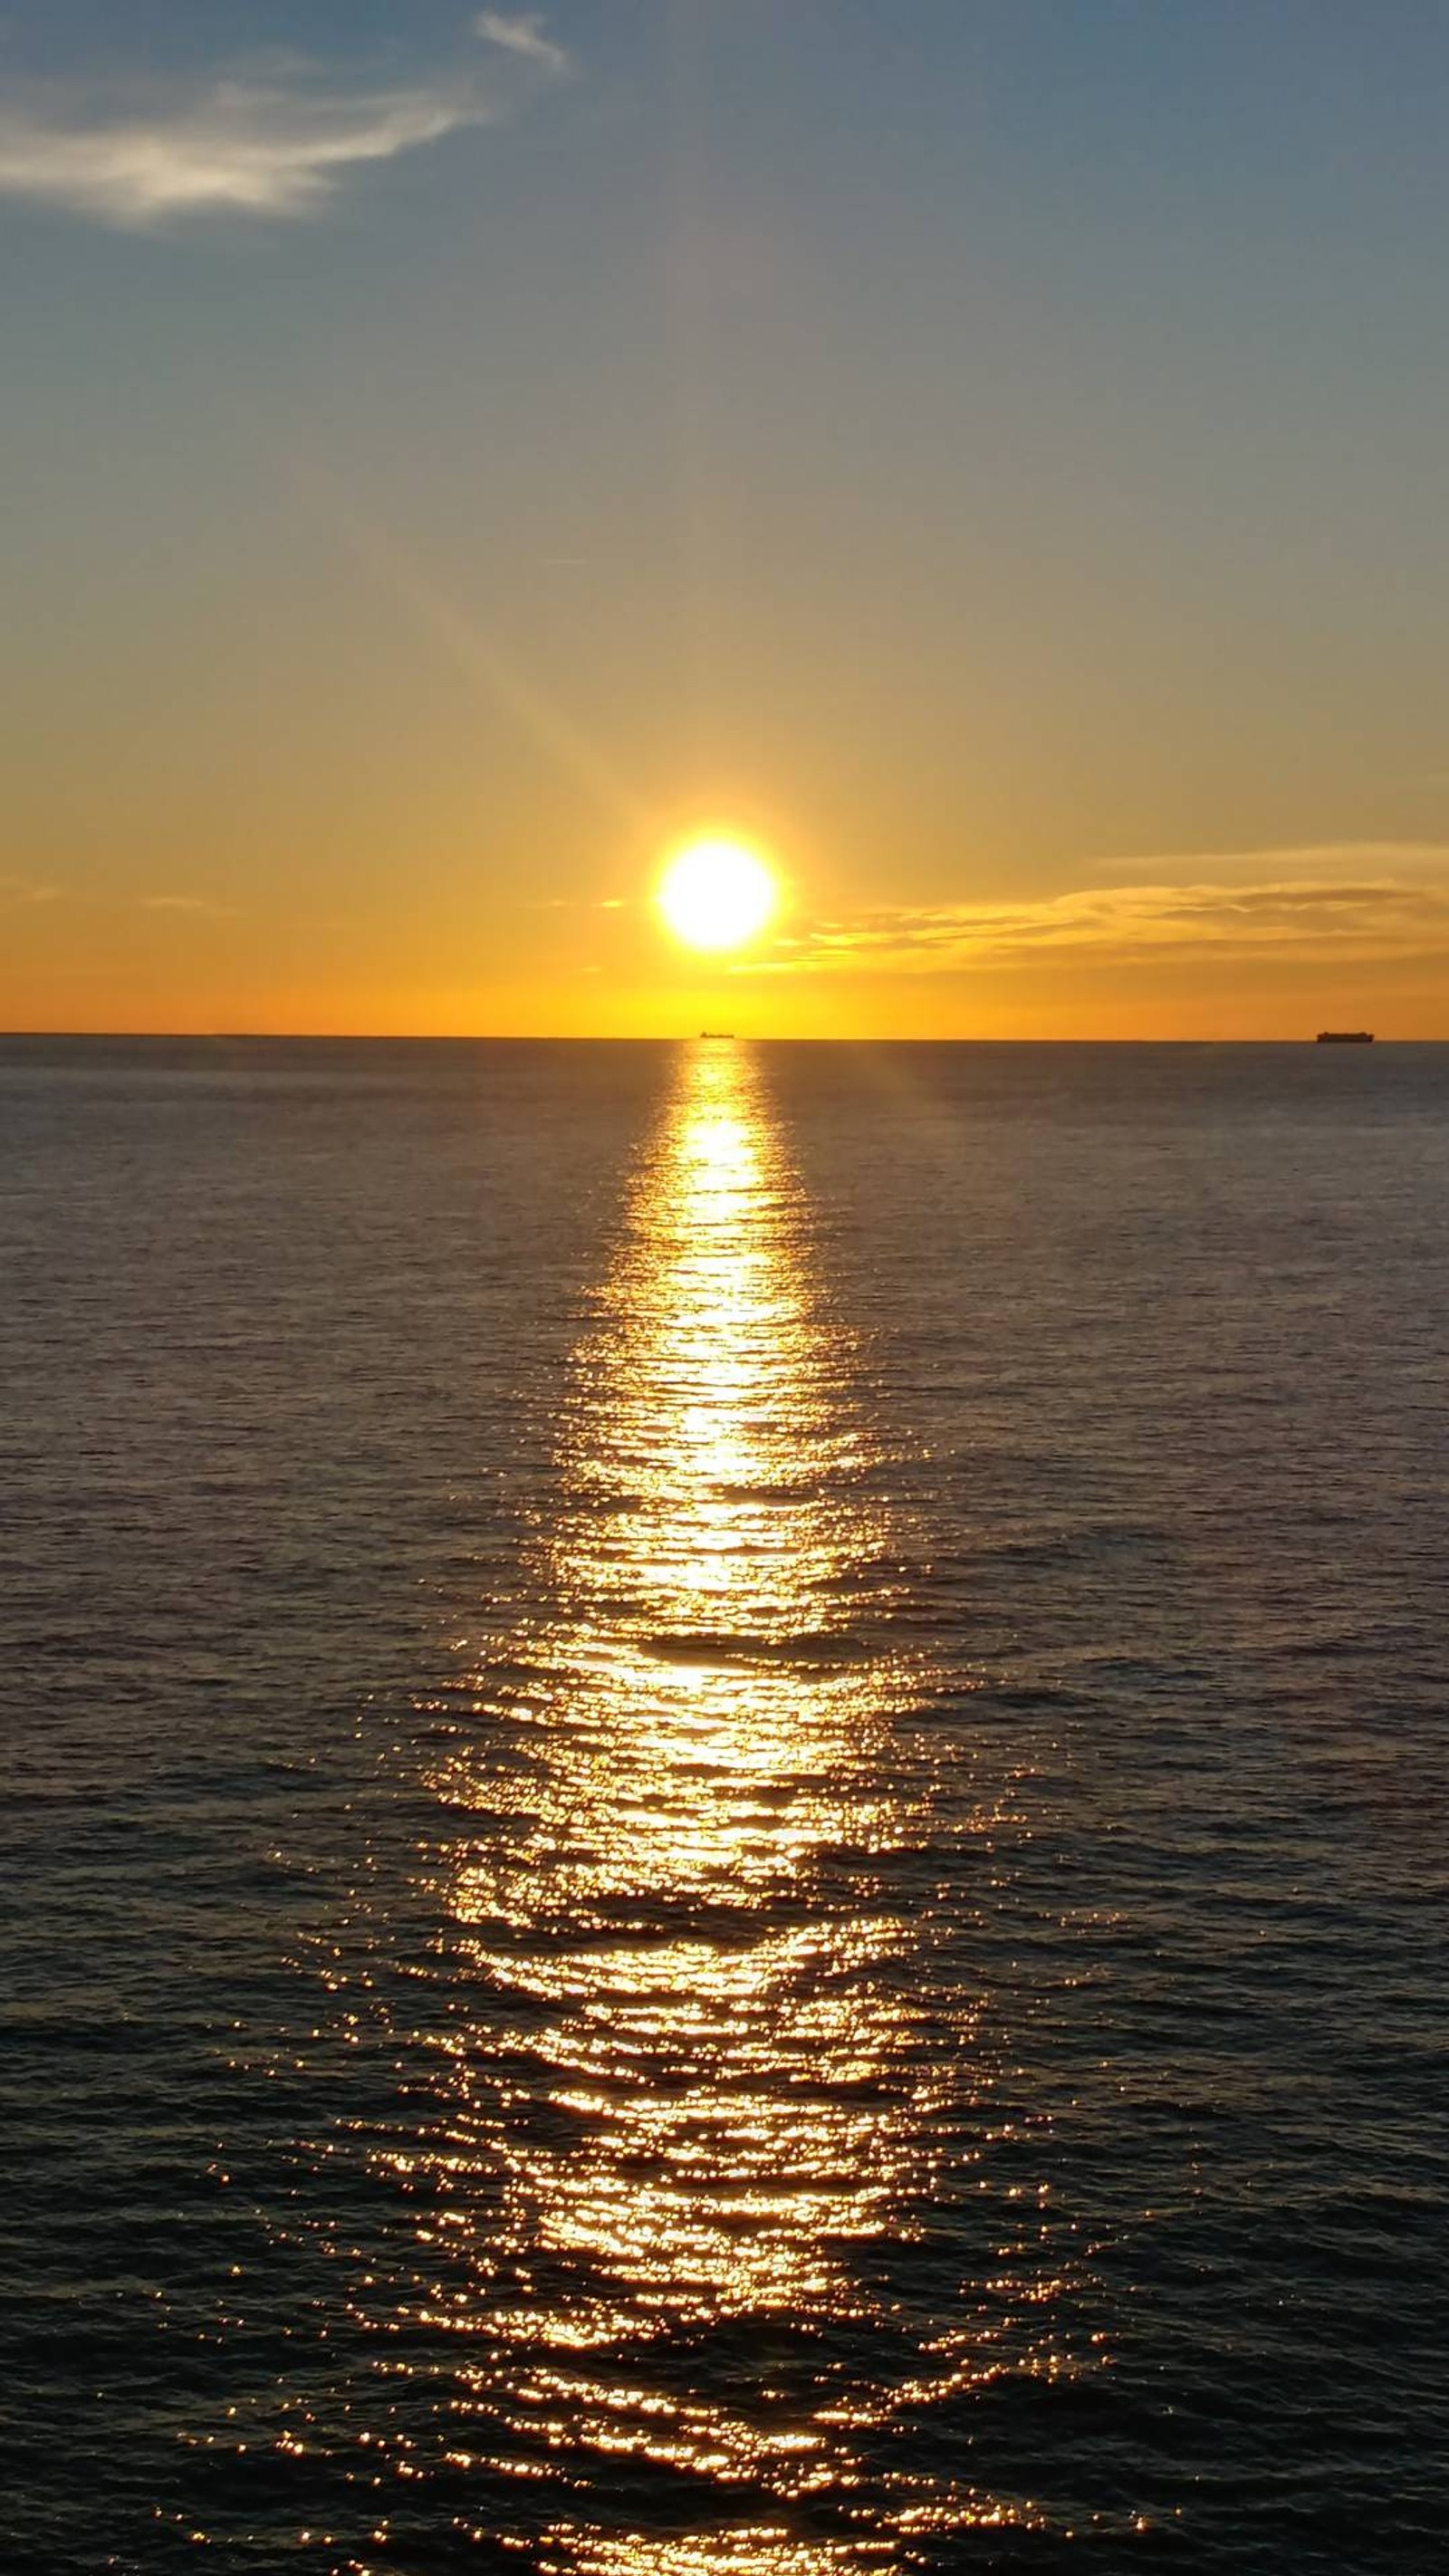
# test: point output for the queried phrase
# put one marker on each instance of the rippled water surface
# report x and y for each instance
(725, 1797)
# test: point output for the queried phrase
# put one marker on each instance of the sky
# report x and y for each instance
(992, 453)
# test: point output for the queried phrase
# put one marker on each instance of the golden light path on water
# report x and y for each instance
(706, 2087)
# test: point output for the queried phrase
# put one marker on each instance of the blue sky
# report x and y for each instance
(995, 452)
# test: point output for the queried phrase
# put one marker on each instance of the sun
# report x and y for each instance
(716, 892)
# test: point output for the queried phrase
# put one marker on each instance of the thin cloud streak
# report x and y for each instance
(239, 150)
(245, 146)
(1342, 919)
(26, 890)
(198, 905)
(523, 37)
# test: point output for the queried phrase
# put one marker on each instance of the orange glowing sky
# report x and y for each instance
(990, 461)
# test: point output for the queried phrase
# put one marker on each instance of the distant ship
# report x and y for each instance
(1345, 1037)
(716, 1033)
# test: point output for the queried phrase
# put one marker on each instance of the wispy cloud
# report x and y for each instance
(198, 905)
(1315, 916)
(524, 37)
(274, 144)
(27, 890)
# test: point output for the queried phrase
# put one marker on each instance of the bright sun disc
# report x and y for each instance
(716, 894)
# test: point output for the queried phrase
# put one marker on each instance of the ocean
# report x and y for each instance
(724, 1825)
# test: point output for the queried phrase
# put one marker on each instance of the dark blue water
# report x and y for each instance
(725, 1795)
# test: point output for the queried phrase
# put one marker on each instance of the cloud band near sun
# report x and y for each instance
(1389, 901)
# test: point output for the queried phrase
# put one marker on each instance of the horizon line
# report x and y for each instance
(681, 1037)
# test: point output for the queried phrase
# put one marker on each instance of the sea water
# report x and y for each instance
(724, 1807)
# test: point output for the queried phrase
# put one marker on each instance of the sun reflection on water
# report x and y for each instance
(695, 1731)
(698, 2089)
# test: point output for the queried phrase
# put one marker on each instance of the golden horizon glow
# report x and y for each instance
(717, 892)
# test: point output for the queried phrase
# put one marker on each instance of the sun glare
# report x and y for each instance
(716, 893)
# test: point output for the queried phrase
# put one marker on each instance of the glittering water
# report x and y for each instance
(726, 1778)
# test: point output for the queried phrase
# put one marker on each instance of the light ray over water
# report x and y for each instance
(720, 2102)
(684, 2197)
(722, 2047)
(713, 2045)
